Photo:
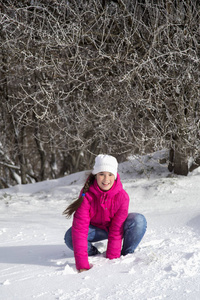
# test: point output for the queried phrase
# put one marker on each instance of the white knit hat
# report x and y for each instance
(105, 163)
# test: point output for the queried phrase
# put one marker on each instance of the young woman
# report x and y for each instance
(101, 212)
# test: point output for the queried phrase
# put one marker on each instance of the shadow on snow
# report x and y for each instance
(46, 255)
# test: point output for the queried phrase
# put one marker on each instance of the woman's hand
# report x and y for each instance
(82, 270)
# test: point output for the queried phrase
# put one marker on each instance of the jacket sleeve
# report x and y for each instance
(116, 229)
(80, 229)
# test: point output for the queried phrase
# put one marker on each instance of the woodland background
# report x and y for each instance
(79, 78)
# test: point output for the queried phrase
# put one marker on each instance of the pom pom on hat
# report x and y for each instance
(105, 163)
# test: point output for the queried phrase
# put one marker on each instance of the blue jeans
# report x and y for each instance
(134, 229)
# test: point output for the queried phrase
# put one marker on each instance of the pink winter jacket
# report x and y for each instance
(107, 210)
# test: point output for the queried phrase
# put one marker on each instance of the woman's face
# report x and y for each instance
(105, 180)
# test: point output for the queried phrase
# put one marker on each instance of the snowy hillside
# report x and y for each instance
(36, 264)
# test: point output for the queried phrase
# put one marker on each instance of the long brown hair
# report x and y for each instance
(75, 204)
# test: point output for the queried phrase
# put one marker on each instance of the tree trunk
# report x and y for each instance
(20, 144)
(41, 154)
(178, 163)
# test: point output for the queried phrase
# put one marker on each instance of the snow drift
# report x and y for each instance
(36, 264)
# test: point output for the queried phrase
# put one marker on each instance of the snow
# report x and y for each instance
(36, 264)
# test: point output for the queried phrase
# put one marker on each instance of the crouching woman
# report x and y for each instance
(101, 212)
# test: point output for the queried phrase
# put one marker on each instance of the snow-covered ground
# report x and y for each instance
(36, 264)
